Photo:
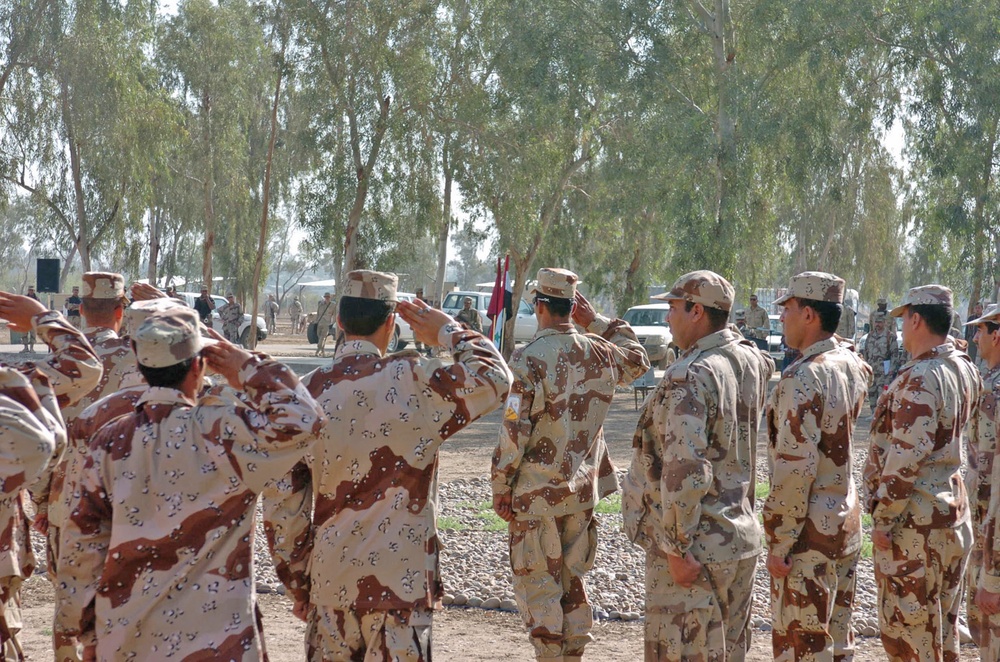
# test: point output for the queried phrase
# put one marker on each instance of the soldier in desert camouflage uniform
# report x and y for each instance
(156, 557)
(847, 327)
(102, 306)
(881, 352)
(43, 388)
(362, 564)
(326, 315)
(983, 576)
(812, 516)
(758, 324)
(688, 499)
(231, 315)
(919, 506)
(551, 465)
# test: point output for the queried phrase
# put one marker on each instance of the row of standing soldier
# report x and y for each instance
(149, 510)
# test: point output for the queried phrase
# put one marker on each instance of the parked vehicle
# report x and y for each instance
(403, 335)
(244, 330)
(649, 322)
(525, 325)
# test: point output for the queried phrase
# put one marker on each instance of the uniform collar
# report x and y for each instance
(97, 334)
(718, 339)
(357, 348)
(820, 347)
(555, 331)
(944, 350)
(159, 395)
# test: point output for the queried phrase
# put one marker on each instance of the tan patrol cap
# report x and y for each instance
(705, 287)
(559, 283)
(363, 284)
(925, 295)
(878, 316)
(103, 285)
(814, 285)
(991, 314)
(168, 337)
(139, 311)
(741, 314)
(882, 301)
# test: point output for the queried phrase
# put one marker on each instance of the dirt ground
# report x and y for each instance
(460, 633)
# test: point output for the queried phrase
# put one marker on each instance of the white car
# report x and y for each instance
(525, 325)
(244, 331)
(649, 322)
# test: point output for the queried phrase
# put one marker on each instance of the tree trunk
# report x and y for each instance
(208, 191)
(445, 226)
(630, 297)
(154, 244)
(980, 218)
(82, 235)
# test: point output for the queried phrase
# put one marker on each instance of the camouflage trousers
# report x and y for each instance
(334, 635)
(811, 609)
(878, 387)
(920, 591)
(708, 622)
(989, 639)
(10, 619)
(974, 616)
(549, 557)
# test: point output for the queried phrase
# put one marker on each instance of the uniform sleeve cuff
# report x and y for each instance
(599, 325)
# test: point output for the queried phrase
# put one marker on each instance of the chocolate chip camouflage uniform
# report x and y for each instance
(156, 558)
(690, 487)
(231, 316)
(366, 556)
(812, 515)
(915, 494)
(983, 474)
(552, 459)
(879, 348)
(119, 372)
(70, 371)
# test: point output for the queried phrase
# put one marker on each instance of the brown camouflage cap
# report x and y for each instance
(990, 314)
(878, 316)
(882, 301)
(815, 285)
(168, 337)
(363, 284)
(140, 310)
(559, 283)
(705, 287)
(925, 295)
(103, 285)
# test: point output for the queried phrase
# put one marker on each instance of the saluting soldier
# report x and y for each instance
(551, 465)
(362, 563)
(812, 516)
(688, 498)
(921, 523)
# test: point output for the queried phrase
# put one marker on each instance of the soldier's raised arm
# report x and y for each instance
(631, 357)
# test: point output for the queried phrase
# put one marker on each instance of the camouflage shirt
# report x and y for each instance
(691, 483)
(231, 315)
(69, 372)
(813, 503)
(758, 323)
(985, 473)
(156, 558)
(551, 452)
(881, 347)
(913, 472)
(355, 527)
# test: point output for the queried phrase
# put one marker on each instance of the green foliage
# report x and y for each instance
(609, 505)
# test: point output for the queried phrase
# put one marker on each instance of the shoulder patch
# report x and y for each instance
(512, 410)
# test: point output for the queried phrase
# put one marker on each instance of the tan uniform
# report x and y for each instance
(984, 472)
(916, 494)
(156, 559)
(353, 530)
(812, 515)
(552, 459)
(690, 488)
(470, 318)
(879, 348)
(756, 318)
(847, 326)
(326, 314)
(231, 315)
(69, 372)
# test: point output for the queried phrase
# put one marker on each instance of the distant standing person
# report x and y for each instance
(758, 324)
(73, 302)
(295, 315)
(28, 337)
(271, 313)
(847, 327)
(231, 315)
(469, 317)
(417, 345)
(881, 352)
(205, 304)
(326, 313)
(970, 332)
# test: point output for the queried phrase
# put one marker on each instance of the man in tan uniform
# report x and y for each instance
(881, 352)
(156, 559)
(551, 465)
(326, 313)
(758, 324)
(102, 305)
(812, 516)
(921, 530)
(362, 567)
(44, 387)
(688, 498)
(983, 577)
